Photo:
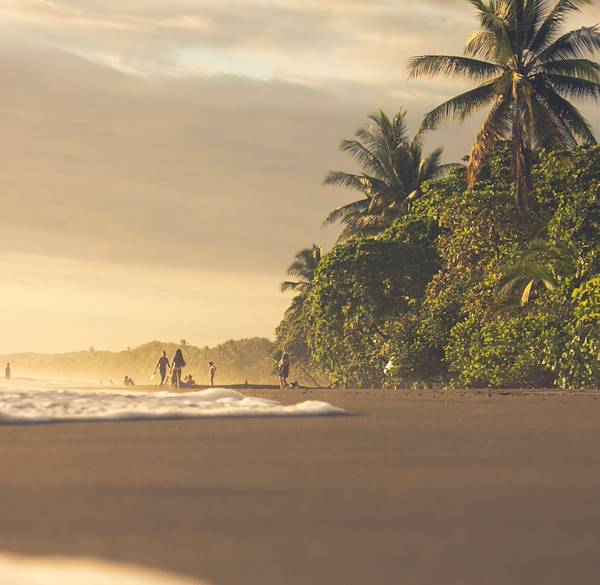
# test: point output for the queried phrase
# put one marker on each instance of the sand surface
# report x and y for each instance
(411, 488)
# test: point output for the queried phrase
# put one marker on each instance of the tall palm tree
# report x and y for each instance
(303, 268)
(393, 172)
(526, 72)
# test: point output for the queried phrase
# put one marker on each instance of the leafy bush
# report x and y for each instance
(506, 352)
(578, 363)
(358, 289)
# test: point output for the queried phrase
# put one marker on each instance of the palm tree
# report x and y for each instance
(527, 72)
(541, 264)
(303, 268)
(394, 170)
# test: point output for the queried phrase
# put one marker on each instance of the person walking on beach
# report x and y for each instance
(7, 372)
(176, 366)
(162, 365)
(284, 370)
(212, 370)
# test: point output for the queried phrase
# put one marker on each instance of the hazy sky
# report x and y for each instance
(162, 160)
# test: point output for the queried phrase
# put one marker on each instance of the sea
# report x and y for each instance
(27, 400)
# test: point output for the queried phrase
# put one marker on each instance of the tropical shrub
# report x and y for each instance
(505, 352)
(578, 361)
(359, 288)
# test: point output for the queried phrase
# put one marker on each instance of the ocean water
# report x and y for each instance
(19, 570)
(29, 401)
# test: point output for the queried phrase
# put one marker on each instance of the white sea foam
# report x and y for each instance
(20, 405)
(17, 570)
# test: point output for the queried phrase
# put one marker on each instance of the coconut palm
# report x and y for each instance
(393, 172)
(526, 72)
(542, 264)
(303, 268)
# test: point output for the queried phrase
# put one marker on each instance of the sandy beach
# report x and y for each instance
(418, 488)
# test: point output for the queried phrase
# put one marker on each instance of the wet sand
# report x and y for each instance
(410, 488)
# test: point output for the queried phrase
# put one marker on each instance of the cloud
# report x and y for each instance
(311, 37)
(212, 172)
(160, 135)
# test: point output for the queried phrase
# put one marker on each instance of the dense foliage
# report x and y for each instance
(488, 276)
(428, 292)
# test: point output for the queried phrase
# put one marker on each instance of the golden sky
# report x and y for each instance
(162, 160)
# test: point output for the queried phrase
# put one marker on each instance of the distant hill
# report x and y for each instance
(236, 361)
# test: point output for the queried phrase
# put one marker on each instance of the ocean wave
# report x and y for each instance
(39, 406)
(19, 570)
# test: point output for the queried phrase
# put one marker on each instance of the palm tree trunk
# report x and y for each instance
(522, 183)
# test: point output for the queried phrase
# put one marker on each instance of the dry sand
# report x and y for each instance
(419, 488)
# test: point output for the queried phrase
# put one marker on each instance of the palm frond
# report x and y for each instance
(496, 127)
(296, 305)
(536, 12)
(575, 87)
(461, 106)
(430, 165)
(364, 156)
(289, 285)
(482, 43)
(496, 17)
(569, 115)
(522, 278)
(554, 21)
(452, 66)
(341, 214)
(546, 130)
(580, 68)
(359, 183)
(576, 44)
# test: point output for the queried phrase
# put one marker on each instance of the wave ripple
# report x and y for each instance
(38, 406)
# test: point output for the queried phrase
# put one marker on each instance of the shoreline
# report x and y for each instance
(412, 487)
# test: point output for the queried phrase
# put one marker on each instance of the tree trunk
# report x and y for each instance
(522, 183)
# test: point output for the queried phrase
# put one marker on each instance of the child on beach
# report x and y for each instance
(212, 370)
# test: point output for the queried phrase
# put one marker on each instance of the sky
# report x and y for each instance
(162, 160)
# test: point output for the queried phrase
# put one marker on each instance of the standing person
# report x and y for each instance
(162, 365)
(212, 370)
(176, 366)
(284, 370)
(7, 372)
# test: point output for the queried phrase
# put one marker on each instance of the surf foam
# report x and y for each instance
(18, 570)
(51, 405)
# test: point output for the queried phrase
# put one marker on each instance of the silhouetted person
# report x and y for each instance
(284, 370)
(162, 365)
(212, 370)
(7, 372)
(176, 366)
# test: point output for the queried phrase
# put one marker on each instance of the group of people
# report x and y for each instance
(174, 368)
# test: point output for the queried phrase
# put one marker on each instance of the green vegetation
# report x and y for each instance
(394, 171)
(527, 71)
(488, 276)
(236, 360)
(459, 292)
